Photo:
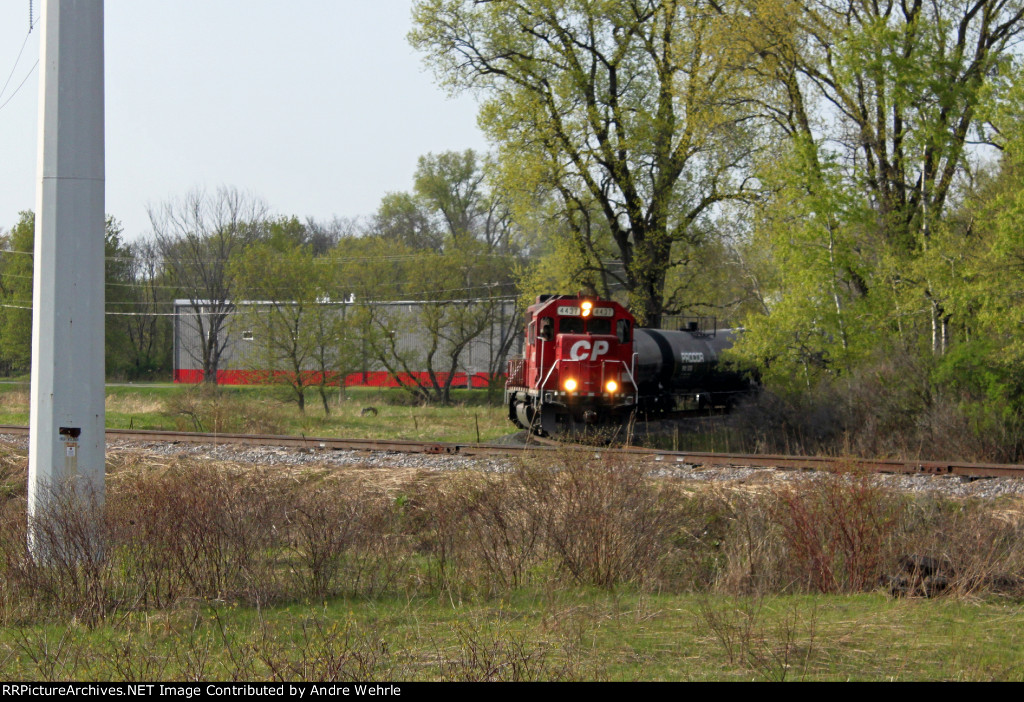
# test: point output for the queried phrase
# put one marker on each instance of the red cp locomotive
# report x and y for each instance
(585, 362)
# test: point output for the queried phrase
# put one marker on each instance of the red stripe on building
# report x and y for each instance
(375, 379)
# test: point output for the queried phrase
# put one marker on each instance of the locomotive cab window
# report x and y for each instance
(575, 325)
(570, 325)
(623, 331)
(547, 328)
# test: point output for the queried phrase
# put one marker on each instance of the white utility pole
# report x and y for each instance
(66, 441)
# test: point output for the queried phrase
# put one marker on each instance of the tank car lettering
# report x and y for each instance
(567, 311)
(691, 357)
(579, 350)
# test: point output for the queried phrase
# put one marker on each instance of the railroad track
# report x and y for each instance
(667, 458)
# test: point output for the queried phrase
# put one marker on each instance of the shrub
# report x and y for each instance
(604, 520)
(201, 532)
(344, 541)
(837, 528)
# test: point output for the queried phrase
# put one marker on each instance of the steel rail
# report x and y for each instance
(678, 458)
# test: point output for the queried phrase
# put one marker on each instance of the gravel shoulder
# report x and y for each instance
(136, 453)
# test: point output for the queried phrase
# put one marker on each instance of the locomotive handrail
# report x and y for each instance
(545, 381)
(632, 379)
(540, 363)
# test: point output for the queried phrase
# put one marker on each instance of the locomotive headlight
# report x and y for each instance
(586, 307)
(570, 385)
(611, 386)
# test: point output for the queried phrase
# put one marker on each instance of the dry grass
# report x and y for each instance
(194, 527)
(187, 540)
(579, 520)
(136, 404)
(14, 400)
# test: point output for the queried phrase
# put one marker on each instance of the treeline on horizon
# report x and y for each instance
(842, 179)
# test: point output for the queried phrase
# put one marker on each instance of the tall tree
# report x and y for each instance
(983, 278)
(404, 218)
(451, 184)
(454, 186)
(141, 318)
(118, 299)
(882, 108)
(633, 109)
(197, 237)
(465, 289)
(293, 323)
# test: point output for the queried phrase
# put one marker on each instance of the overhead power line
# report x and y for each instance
(234, 311)
(419, 255)
(31, 26)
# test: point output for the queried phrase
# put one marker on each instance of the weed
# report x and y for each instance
(772, 644)
(496, 654)
(322, 651)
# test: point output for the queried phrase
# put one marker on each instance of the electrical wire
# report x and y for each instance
(24, 43)
(15, 66)
(236, 312)
(15, 93)
(376, 286)
(320, 260)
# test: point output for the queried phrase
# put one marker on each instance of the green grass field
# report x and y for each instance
(570, 635)
(271, 410)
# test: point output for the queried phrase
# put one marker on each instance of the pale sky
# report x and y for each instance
(318, 106)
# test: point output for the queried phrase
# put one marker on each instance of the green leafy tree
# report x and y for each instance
(289, 316)
(454, 187)
(16, 289)
(982, 280)
(404, 218)
(877, 106)
(632, 110)
(16, 282)
(451, 184)
(119, 301)
(454, 251)
(817, 322)
(140, 316)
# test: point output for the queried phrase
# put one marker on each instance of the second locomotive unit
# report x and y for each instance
(585, 362)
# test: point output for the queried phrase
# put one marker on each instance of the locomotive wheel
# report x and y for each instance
(524, 415)
(543, 422)
(513, 414)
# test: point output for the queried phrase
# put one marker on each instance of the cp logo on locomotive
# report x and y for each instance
(580, 349)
